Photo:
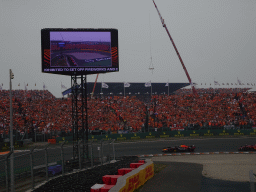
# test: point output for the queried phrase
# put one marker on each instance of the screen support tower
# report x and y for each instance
(164, 25)
(79, 115)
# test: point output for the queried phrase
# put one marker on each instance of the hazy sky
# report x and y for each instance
(216, 39)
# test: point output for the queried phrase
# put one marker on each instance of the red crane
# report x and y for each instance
(94, 85)
(164, 25)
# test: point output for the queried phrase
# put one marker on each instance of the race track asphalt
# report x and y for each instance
(176, 177)
(187, 177)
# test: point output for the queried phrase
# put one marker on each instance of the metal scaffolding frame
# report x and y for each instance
(79, 116)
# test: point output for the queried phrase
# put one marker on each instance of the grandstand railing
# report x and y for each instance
(166, 132)
(43, 137)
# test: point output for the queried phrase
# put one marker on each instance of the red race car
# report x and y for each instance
(247, 148)
(181, 148)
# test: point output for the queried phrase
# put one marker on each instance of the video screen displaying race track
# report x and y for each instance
(80, 59)
(80, 49)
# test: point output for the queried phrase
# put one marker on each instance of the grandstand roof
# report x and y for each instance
(252, 90)
(135, 88)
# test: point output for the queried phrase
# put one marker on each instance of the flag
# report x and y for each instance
(216, 83)
(35, 84)
(1, 87)
(251, 84)
(127, 84)
(27, 84)
(148, 84)
(104, 85)
(248, 84)
(167, 84)
(223, 84)
(63, 86)
(239, 82)
(44, 86)
(19, 84)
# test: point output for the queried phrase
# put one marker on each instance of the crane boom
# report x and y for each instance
(164, 25)
(94, 84)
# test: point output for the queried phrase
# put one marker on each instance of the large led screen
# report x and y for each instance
(79, 51)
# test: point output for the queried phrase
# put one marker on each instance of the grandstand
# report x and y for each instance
(40, 111)
(133, 89)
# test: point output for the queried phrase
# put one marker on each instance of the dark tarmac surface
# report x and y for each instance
(187, 177)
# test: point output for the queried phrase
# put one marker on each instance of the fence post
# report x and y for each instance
(79, 154)
(46, 161)
(252, 181)
(6, 170)
(62, 157)
(35, 135)
(109, 151)
(101, 150)
(91, 154)
(31, 165)
(113, 149)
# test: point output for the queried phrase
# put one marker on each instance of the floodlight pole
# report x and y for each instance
(11, 135)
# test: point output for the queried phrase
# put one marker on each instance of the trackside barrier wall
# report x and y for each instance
(52, 141)
(134, 179)
(166, 134)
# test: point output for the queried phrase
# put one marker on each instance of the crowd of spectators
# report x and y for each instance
(207, 110)
(39, 110)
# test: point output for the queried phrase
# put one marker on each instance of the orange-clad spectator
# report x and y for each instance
(39, 109)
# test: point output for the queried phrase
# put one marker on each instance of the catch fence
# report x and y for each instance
(39, 164)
